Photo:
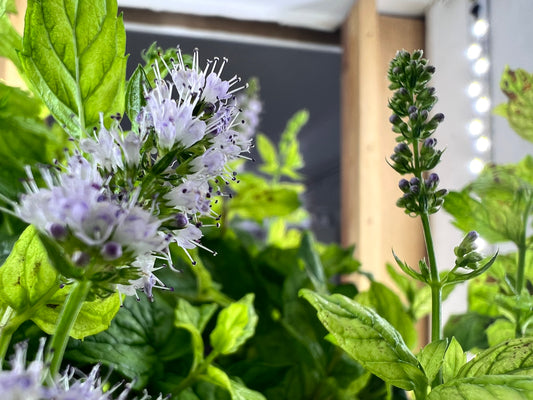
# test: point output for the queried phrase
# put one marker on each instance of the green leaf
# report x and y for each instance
(140, 339)
(500, 331)
(11, 41)
(193, 319)
(431, 358)
(514, 357)
(389, 306)
(257, 200)
(25, 139)
(468, 329)
(94, 317)
(73, 54)
(241, 392)
(235, 324)
(454, 359)
(497, 203)
(369, 339)
(135, 92)
(502, 387)
(27, 278)
(290, 157)
(517, 86)
(30, 285)
(313, 265)
(268, 154)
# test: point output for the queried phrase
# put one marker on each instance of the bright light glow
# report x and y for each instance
(480, 28)
(482, 104)
(474, 89)
(483, 144)
(481, 66)
(476, 166)
(476, 127)
(473, 51)
(481, 244)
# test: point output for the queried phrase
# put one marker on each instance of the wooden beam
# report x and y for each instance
(231, 26)
(369, 190)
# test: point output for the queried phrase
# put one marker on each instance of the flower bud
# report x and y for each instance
(81, 259)
(414, 181)
(181, 220)
(111, 251)
(432, 181)
(439, 117)
(430, 143)
(394, 119)
(412, 109)
(404, 185)
(58, 231)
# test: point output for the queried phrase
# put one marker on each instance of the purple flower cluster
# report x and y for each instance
(24, 382)
(123, 197)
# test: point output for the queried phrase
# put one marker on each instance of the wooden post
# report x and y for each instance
(370, 218)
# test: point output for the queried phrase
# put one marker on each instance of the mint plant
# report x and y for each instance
(498, 203)
(440, 370)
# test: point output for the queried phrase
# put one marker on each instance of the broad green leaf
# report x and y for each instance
(30, 284)
(493, 387)
(141, 338)
(514, 357)
(73, 54)
(257, 200)
(431, 358)
(454, 359)
(27, 279)
(389, 306)
(497, 203)
(369, 339)
(517, 86)
(25, 139)
(313, 265)
(235, 324)
(94, 317)
(500, 331)
(135, 88)
(468, 329)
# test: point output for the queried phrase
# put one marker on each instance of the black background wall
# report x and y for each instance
(291, 79)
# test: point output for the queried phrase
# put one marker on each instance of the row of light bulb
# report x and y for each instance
(478, 90)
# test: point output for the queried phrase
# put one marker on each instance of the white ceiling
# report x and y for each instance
(324, 15)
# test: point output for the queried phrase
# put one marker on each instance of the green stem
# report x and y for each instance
(520, 284)
(193, 375)
(436, 287)
(67, 318)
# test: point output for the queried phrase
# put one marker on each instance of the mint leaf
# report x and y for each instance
(454, 359)
(235, 324)
(11, 41)
(73, 54)
(27, 278)
(514, 357)
(431, 358)
(30, 285)
(388, 305)
(497, 387)
(369, 339)
(517, 86)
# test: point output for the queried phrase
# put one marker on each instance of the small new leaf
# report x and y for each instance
(454, 359)
(431, 358)
(235, 324)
